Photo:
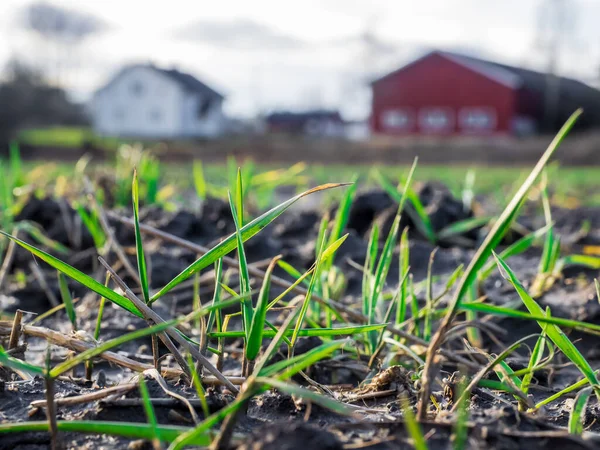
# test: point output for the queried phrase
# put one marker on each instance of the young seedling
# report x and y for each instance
(492, 240)
(150, 415)
(67, 300)
(554, 333)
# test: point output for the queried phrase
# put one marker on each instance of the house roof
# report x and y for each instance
(188, 82)
(282, 117)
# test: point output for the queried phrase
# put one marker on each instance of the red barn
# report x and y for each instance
(445, 93)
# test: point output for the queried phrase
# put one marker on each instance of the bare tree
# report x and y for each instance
(59, 31)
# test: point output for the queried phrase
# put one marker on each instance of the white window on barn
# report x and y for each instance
(436, 120)
(477, 119)
(397, 119)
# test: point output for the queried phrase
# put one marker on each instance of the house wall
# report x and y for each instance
(435, 95)
(209, 124)
(139, 102)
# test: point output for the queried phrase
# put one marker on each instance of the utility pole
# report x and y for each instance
(554, 25)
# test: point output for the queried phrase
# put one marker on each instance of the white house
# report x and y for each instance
(145, 101)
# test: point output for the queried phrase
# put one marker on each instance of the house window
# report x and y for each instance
(155, 115)
(137, 89)
(204, 106)
(396, 119)
(436, 120)
(477, 119)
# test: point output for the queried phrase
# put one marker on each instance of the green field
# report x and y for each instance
(570, 186)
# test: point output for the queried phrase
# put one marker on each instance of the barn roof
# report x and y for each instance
(511, 76)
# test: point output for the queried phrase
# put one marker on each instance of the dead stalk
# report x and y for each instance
(172, 332)
(86, 398)
(155, 353)
(8, 258)
(145, 310)
(77, 345)
(41, 279)
(15, 333)
(51, 413)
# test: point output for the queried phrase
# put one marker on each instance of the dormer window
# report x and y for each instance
(137, 89)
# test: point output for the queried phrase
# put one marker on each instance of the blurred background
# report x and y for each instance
(329, 81)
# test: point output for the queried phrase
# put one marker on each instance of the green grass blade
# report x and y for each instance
(239, 198)
(429, 298)
(292, 271)
(305, 332)
(19, 365)
(368, 268)
(259, 316)
(554, 332)
(16, 169)
(297, 391)
(388, 314)
(586, 327)
(92, 225)
(244, 276)
(132, 430)
(463, 226)
(461, 431)
(404, 262)
(545, 265)
(199, 179)
(215, 315)
(567, 390)
(518, 247)
(228, 244)
(591, 262)
(139, 247)
(321, 235)
(383, 266)
(315, 277)
(77, 275)
(101, 311)
(423, 223)
(473, 333)
(577, 415)
(300, 279)
(286, 369)
(417, 211)
(36, 233)
(67, 299)
(504, 222)
(412, 426)
(149, 410)
(534, 360)
(342, 213)
(198, 387)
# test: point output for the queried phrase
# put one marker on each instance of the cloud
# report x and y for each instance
(56, 22)
(240, 34)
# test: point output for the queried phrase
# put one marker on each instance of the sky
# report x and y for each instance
(273, 54)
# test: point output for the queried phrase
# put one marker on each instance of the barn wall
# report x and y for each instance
(437, 82)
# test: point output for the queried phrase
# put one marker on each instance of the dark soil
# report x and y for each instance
(274, 420)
